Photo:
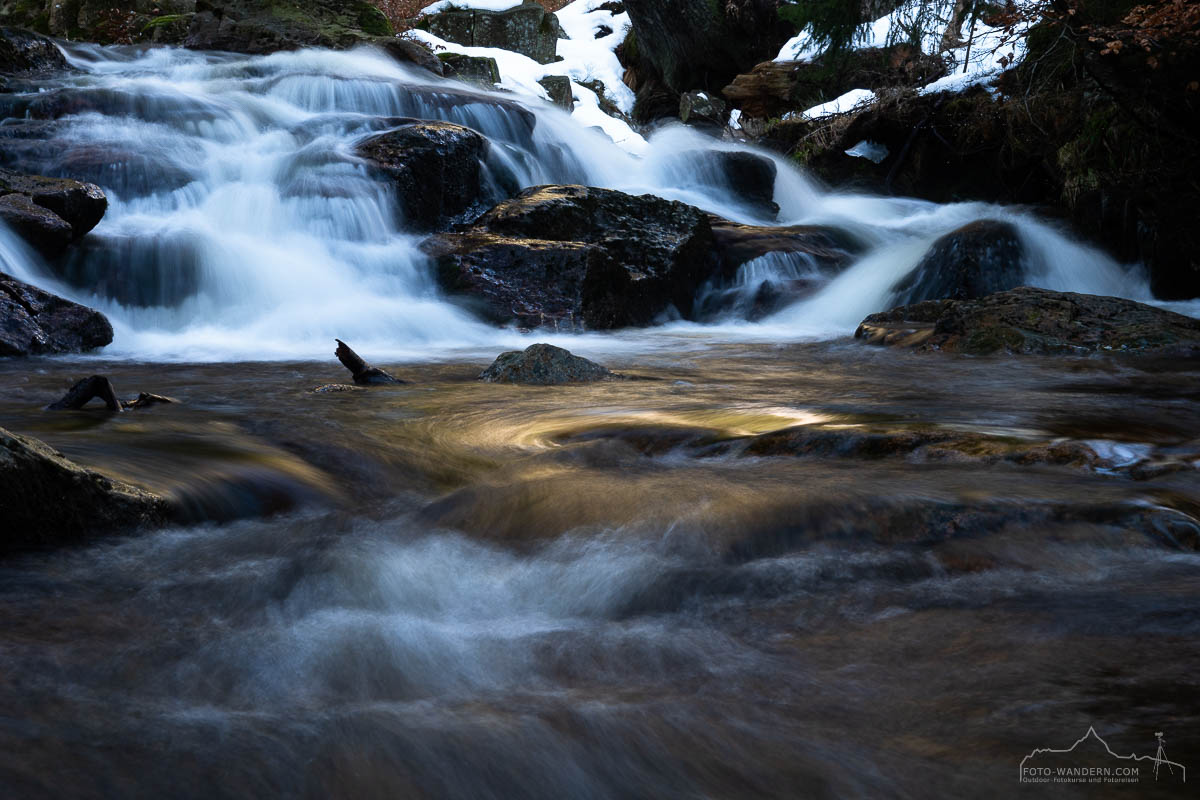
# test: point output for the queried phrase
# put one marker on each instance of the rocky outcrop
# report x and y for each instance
(978, 259)
(249, 26)
(436, 167)
(23, 53)
(34, 322)
(575, 256)
(543, 365)
(527, 29)
(1027, 320)
(49, 213)
(47, 500)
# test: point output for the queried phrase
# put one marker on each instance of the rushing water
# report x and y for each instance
(241, 222)
(456, 589)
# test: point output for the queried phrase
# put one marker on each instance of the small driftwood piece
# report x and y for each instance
(86, 390)
(364, 374)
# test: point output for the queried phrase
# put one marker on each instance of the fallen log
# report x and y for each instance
(364, 374)
(88, 389)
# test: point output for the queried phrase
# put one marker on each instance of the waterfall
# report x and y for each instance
(241, 223)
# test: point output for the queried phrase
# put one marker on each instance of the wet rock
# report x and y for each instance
(527, 29)
(435, 166)
(49, 213)
(479, 70)
(24, 53)
(35, 322)
(978, 259)
(736, 243)
(559, 89)
(364, 374)
(44, 230)
(622, 260)
(1028, 320)
(47, 500)
(407, 51)
(543, 365)
(702, 110)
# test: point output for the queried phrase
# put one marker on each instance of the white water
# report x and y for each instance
(241, 224)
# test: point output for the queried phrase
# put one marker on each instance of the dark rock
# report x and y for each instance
(479, 70)
(978, 259)
(251, 26)
(337, 388)
(702, 44)
(47, 500)
(435, 166)
(49, 213)
(560, 91)
(736, 243)
(702, 110)
(34, 322)
(24, 53)
(44, 230)
(1027, 320)
(625, 261)
(407, 51)
(543, 365)
(749, 177)
(527, 29)
(364, 374)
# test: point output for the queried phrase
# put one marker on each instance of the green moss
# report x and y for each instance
(158, 22)
(371, 20)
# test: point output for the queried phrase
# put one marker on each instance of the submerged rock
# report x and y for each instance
(527, 29)
(543, 365)
(436, 167)
(976, 260)
(50, 213)
(47, 500)
(98, 386)
(35, 322)
(578, 255)
(1028, 320)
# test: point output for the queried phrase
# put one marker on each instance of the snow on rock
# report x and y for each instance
(584, 59)
(851, 100)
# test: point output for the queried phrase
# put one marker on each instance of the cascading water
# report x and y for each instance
(241, 223)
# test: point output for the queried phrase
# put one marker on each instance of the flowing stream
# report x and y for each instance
(457, 589)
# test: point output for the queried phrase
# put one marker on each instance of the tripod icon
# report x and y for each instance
(1160, 757)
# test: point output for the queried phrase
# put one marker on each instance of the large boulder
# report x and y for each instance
(47, 500)
(620, 260)
(480, 70)
(1027, 320)
(407, 51)
(23, 53)
(527, 29)
(49, 213)
(35, 322)
(543, 365)
(702, 44)
(437, 169)
(978, 259)
(251, 26)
